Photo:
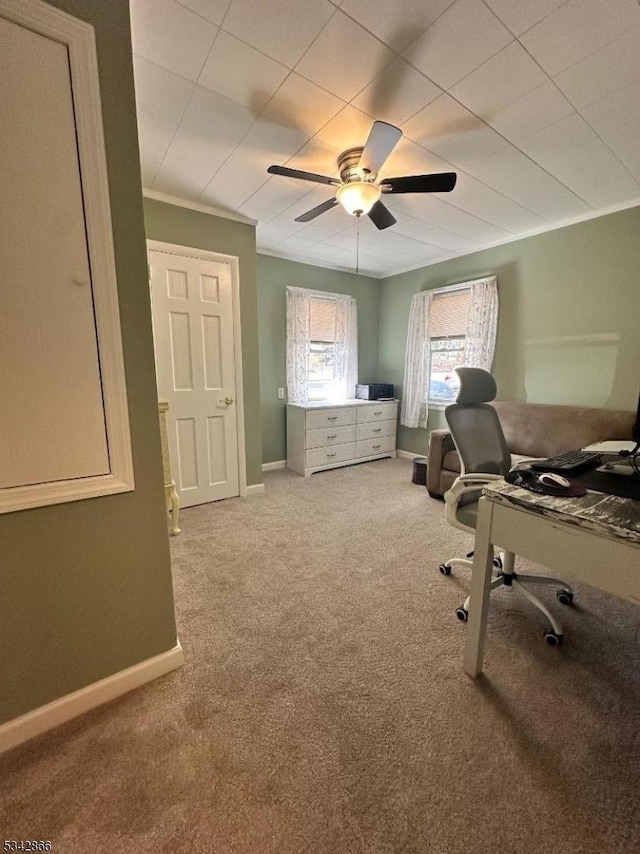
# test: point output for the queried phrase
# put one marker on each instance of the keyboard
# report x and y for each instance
(570, 461)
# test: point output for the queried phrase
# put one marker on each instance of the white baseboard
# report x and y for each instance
(65, 708)
(407, 455)
(255, 489)
(279, 464)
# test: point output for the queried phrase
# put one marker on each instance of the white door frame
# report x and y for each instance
(232, 260)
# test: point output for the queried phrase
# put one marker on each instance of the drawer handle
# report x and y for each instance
(332, 417)
(375, 447)
(379, 412)
(332, 455)
(378, 430)
(332, 436)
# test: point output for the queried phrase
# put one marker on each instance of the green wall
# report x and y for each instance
(274, 274)
(185, 227)
(568, 324)
(86, 586)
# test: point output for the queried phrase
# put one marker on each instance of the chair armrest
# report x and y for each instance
(440, 443)
(468, 483)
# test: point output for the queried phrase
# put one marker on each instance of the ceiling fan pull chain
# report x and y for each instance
(358, 246)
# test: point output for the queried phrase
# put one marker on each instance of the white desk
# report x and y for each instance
(594, 539)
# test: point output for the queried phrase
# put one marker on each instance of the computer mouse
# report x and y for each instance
(550, 478)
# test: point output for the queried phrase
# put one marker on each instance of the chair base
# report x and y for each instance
(508, 578)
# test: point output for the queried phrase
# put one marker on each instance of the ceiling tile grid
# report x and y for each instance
(534, 103)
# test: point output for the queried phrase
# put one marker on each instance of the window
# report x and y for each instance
(447, 343)
(447, 327)
(322, 346)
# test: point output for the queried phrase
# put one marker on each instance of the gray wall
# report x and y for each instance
(274, 274)
(173, 224)
(568, 326)
(86, 586)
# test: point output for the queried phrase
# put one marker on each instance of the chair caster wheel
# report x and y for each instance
(462, 614)
(444, 569)
(565, 597)
(552, 638)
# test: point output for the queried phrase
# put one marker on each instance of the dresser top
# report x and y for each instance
(325, 404)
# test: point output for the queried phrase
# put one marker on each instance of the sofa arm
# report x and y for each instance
(440, 443)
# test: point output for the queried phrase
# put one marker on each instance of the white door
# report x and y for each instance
(194, 339)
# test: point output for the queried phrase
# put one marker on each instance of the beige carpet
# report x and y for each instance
(323, 706)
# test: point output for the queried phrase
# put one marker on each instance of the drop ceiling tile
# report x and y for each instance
(188, 145)
(437, 212)
(533, 112)
(344, 58)
(182, 178)
(577, 29)
(236, 181)
(515, 176)
(314, 195)
(350, 128)
(396, 22)
(257, 212)
(504, 78)
(300, 104)
(464, 37)
(286, 225)
(545, 145)
(150, 161)
(278, 193)
(160, 92)
(436, 238)
(154, 132)
(283, 30)
(612, 67)
(409, 158)
(255, 76)
(521, 15)
(316, 230)
(397, 93)
(481, 201)
(212, 10)
(442, 120)
(216, 117)
(623, 141)
(596, 175)
(316, 156)
(465, 148)
(167, 33)
(615, 110)
(295, 244)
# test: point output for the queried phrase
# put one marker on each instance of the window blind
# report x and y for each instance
(322, 320)
(449, 312)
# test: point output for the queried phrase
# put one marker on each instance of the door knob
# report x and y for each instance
(228, 400)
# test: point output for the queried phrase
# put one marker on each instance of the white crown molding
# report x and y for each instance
(65, 708)
(339, 268)
(196, 206)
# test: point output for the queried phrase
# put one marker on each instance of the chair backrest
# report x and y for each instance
(475, 426)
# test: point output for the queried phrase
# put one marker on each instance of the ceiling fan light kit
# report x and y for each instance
(358, 197)
(357, 191)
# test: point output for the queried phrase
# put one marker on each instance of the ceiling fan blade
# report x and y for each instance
(319, 209)
(439, 182)
(304, 176)
(383, 138)
(381, 216)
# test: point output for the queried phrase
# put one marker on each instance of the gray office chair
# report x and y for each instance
(484, 457)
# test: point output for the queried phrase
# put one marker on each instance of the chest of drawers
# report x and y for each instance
(324, 436)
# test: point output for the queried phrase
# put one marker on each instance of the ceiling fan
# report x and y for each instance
(357, 191)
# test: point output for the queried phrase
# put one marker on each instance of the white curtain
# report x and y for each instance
(414, 409)
(482, 323)
(298, 313)
(298, 340)
(346, 344)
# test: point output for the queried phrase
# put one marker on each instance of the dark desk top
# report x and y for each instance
(607, 515)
